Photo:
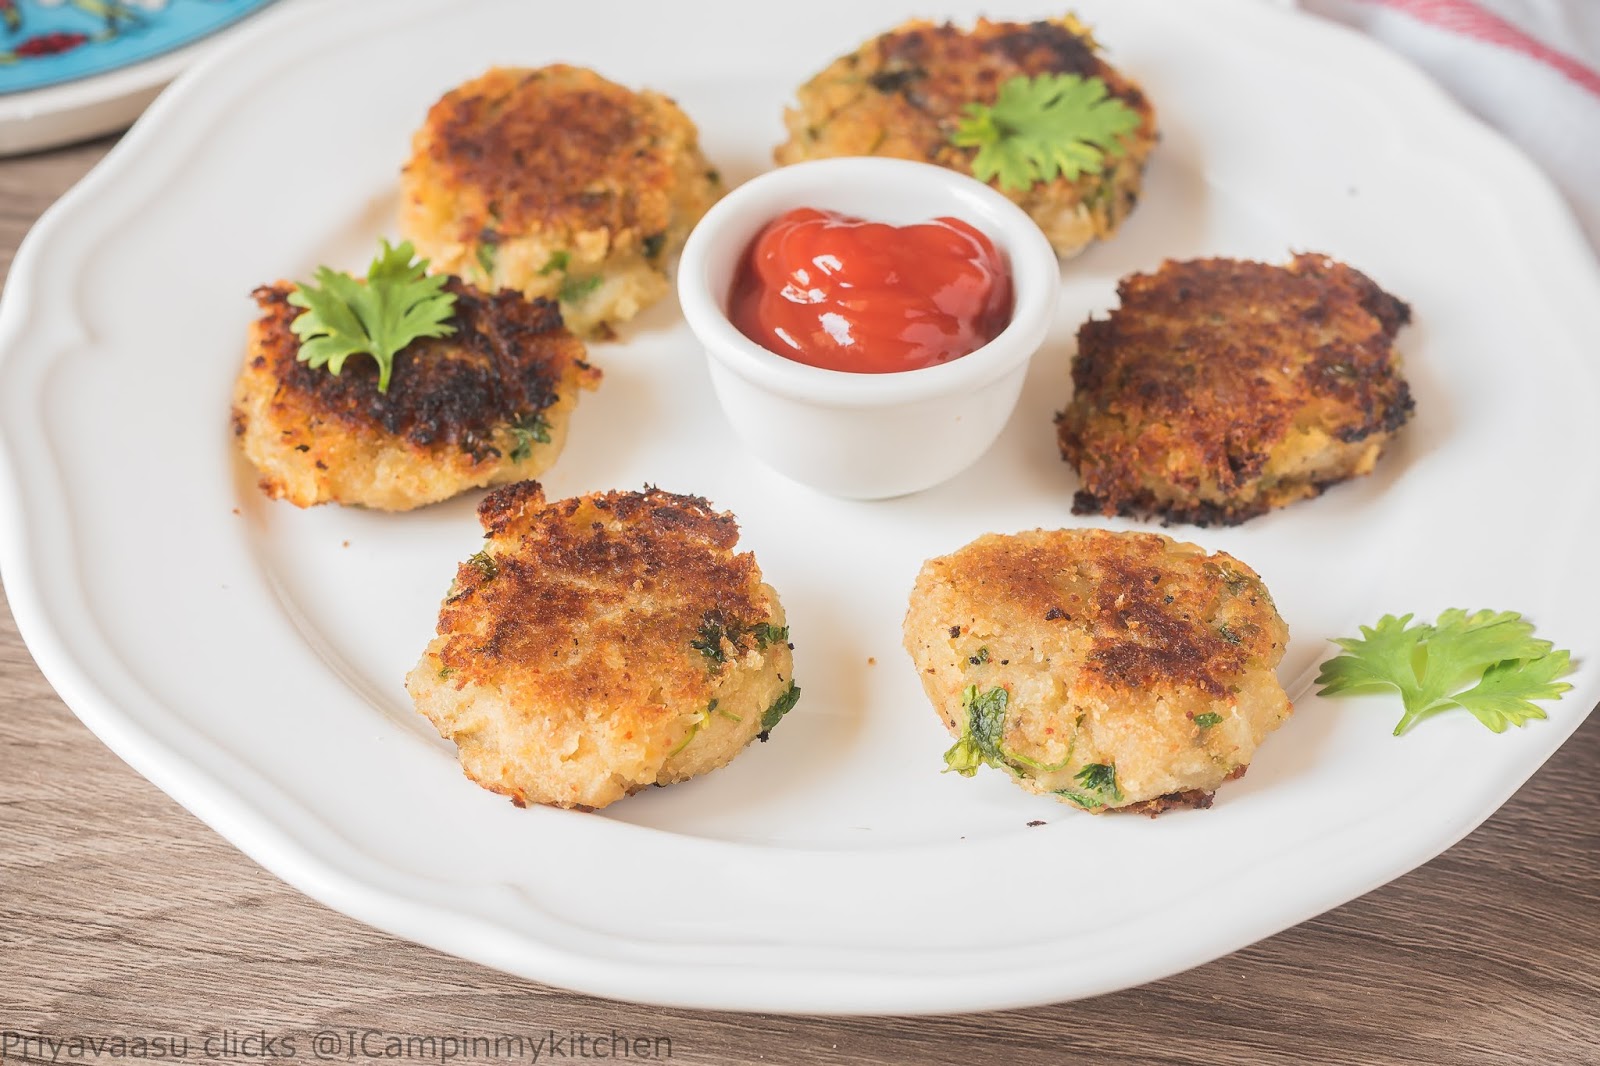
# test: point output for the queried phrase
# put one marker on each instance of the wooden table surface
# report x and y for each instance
(122, 915)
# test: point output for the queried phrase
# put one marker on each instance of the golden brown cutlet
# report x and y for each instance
(486, 405)
(1130, 652)
(559, 183)
(602, 644)
(1222, 388)
(902, 94)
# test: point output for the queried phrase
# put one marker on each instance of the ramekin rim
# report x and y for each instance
(1033, 263)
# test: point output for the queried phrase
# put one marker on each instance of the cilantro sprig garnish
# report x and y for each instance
(398, 302)
(1038, 129)
(1488, 663)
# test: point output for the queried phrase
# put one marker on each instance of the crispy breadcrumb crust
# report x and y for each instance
(558, 183)
(1222, 388)
(601, 644)
(902, 94)
(446, 424)
(1110, 646)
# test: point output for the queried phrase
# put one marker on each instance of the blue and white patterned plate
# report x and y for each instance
(74, 69)
(47, 42)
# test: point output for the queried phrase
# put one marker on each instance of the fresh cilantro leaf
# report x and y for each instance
(1495, 652)
(780, 707)
(1384, 656)
(573, 290)
(1462, 643)
(1038, 129)
(486, 254)
(526, 432)
(556, 263)
(1208, 720)
(397, 303)
(979, 743)
(1504, 695)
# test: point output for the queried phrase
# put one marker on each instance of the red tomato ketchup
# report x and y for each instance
(870, 298)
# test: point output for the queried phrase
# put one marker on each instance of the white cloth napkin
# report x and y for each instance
(1530, 68)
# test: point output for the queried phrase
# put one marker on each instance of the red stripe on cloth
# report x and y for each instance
(1470, 20)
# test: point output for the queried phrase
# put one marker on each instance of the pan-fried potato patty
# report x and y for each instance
(1221, 388)
(486, 405)
(902, 94)
(602, 644)
(1111, 670)
(558, 183)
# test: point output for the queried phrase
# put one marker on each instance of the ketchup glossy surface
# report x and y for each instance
(867, 297)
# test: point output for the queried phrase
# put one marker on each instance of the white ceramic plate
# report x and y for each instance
(247, 657)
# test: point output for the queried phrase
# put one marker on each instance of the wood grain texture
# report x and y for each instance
(122, 914)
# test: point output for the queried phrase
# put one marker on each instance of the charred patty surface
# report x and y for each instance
(558, 183)
(902, 94)
(486, 405)
(1110, 670)
(602, 644)
(1222, 388)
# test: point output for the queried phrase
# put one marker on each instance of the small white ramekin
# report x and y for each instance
(866, 436)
